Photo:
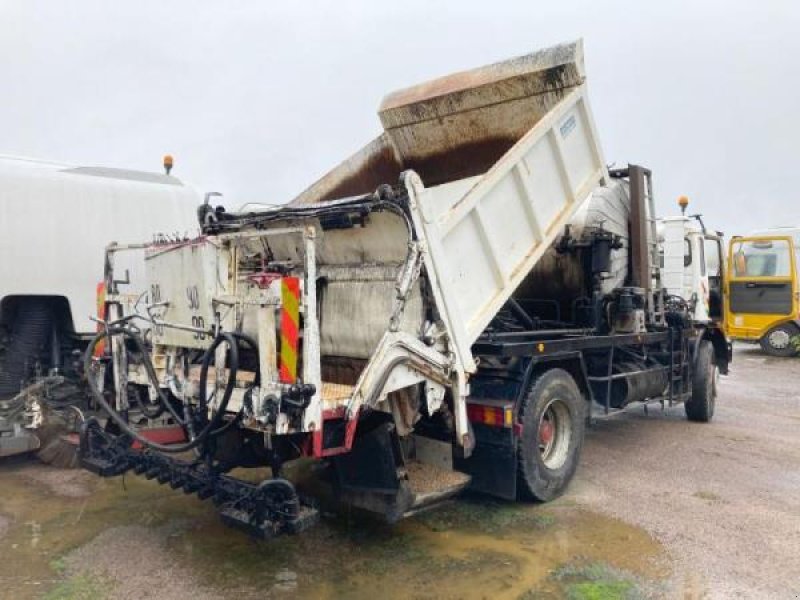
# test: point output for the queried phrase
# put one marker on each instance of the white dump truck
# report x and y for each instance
(441, 310)
(55, 221)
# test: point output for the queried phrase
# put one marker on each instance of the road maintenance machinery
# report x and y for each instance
(446, 308)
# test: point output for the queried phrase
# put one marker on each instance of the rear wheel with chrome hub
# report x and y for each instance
(552, 416)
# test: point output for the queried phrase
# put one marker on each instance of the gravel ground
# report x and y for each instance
(724, 497)
(69, 483)
(153, 574)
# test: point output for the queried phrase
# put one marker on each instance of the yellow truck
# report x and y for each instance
(763, 302)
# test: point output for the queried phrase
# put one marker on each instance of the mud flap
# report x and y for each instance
(377, 477)
(493, 464)
(367, 477)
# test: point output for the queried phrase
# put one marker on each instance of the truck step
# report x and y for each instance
(431, 485)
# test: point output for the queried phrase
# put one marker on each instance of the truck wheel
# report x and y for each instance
(553, 421)
(778, 340)
(700, 406)
(30, 331)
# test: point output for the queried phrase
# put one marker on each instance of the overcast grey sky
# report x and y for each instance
(258, 99)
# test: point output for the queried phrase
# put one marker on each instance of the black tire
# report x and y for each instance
(545, 468)
(30, 331)
(778, 340)
(700, 406)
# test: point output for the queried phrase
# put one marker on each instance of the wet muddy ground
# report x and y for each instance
(723, 497)
(146, 541)
(660, 508)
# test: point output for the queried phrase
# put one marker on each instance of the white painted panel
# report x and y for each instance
(504, 214)
(446, 195)
(674, 244)
(482, 245)
(574, 134)
(469, 266)
(541, 165)
(187, 277)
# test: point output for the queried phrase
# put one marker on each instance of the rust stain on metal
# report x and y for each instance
(555, 77)
(373, 165)
(522, 76)
(342, 370)
(459, 161)
(378, 169)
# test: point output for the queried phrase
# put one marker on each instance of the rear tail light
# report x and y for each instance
(495, 416)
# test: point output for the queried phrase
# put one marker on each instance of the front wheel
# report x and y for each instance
(778, 340)
(700, 405)
(553, 421)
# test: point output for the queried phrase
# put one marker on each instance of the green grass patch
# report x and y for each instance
(58, 565)
(704, 495)
(80, 587)
(600, 590)
(596, 581)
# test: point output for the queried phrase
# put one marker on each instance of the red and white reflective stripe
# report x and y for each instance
(290, 328)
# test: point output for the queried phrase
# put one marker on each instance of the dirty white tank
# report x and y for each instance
(559, 278)
(609, 208)
(56, 219)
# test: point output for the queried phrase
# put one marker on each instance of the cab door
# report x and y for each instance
(714, 254)
(762, 285)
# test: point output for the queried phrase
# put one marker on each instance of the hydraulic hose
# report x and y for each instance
(212, 424)
(253, 346)
(148, 365)
(147, 410)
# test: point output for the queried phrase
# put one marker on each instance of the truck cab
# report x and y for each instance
(693, 261)
(763, 301)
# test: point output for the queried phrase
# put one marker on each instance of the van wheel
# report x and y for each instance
(553, 421)
(700, 407)
(778, 340)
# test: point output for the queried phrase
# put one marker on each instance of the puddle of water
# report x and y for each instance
(45, 525)
(471, 548)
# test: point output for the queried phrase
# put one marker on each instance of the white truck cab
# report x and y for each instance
(693, 262)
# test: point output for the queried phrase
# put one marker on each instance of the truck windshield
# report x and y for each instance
(762, 258)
